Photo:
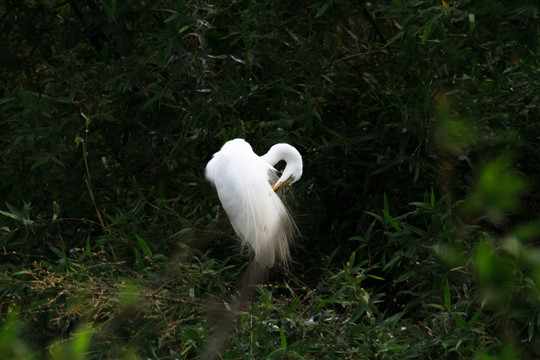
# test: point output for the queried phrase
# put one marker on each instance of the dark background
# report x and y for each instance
(418, 122)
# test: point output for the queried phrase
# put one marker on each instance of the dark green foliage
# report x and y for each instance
(418, 207)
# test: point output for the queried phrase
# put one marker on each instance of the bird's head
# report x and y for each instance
(293, 160)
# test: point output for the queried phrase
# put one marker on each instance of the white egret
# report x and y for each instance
(243, 183)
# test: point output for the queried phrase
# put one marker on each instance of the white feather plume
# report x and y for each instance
(244, 182)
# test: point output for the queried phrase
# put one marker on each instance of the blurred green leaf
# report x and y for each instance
(283, 339)
(447, 299)
(56, 211)
(427, 29)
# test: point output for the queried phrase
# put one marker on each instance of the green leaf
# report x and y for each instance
(146, 250)
(86, 118)
(293, 305)
(427, 29)
(376, 216)
(283, 339)
(284, 87)
(88, 247)
(58, 252)
(14, 213)
(475, 317)
(56, 211)
(138, 260)
(151, 101)
(392, 221)
(64, 100)
(249, 58)
(350, 263)
(105, 51)
(387, 166)
(81, 341)
(6, 99)
(39, 159)
(109, 9)
(386, 206)
(459, 321)
(55, 160)
(8, 214)
(322, 10)
(447, 302)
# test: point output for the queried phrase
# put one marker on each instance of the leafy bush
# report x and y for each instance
(418, 207)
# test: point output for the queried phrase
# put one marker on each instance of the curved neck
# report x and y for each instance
(283, 152)
(288, 154)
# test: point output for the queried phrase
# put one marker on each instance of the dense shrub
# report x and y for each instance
(418, 208)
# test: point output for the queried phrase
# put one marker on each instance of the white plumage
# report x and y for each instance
(243, 183)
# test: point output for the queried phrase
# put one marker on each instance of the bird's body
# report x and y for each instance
(244, 182)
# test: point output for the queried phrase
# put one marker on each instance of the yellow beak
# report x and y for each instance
(280, 184)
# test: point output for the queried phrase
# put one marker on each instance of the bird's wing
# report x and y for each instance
(255, 211)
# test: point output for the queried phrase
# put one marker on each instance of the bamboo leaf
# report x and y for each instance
(283, 339)
(144, 247)
(56, 211)
(447, 302)
(392, 221)
(427, 29)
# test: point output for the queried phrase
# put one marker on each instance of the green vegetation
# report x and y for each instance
(419, 206)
